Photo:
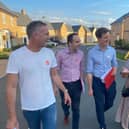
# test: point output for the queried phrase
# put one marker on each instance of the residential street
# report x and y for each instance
(87, 117)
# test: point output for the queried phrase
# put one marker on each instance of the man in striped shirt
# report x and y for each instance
(70, 64)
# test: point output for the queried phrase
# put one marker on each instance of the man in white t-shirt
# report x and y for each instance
(33, 67)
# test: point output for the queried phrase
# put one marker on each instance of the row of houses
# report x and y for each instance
(120, 28)
(59, 31)
(12, 26)
(13, 29)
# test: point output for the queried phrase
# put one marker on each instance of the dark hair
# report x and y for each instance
(70, 37)
(100, 31)
(32, 26)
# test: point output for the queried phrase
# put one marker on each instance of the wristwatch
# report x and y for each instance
(65, 91)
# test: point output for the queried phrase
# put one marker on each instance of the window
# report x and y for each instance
(11, 21)
(3, 18)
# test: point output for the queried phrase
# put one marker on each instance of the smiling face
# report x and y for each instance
(104, 40)
(75, 43)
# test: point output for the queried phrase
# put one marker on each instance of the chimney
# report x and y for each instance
(23, 12)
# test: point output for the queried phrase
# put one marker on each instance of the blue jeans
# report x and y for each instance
(46, 117)
(103, 99)
(74, 90)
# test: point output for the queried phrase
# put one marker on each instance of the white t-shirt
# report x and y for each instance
(33, 69)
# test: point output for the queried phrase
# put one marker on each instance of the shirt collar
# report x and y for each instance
(98, 47)
(67, 50)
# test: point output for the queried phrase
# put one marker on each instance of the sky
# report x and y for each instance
(86, 12)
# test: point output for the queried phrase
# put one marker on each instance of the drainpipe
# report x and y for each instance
(122, 29)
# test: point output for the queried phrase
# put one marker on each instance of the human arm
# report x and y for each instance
(82, 64)
(55, 89)
(89, 79)
(114, 63)
(58, 59)
(57, 81)
(114, 71)
(89, 71)
(11, 87)
(124, 73)
(125, 70)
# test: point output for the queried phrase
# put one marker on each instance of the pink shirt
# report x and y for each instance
(70, 64)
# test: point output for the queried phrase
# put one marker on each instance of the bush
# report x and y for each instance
(122, 44)
(120, 55)
(7, 49)
(17, 46)
(4, 55)
(119, 43)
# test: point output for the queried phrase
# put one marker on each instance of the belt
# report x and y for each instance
(72, 82)
(97, 77)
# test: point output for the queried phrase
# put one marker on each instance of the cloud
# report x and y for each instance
(110, 20)
(39, 14)
(101, 13)
(69, 20)
(101, 22)
(49, 18)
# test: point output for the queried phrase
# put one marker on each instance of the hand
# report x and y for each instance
(90, 92)
(124, 74)
(12, 123)
(114, 71)
(67, 98)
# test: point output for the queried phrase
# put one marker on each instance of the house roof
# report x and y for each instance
(76, 28)
(119, 20)
(6, 9)
(57, 26)
(70, 29)
(50, 27)
(23, 19)
(87, 29)
(91, 28)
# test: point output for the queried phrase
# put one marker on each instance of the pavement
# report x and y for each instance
(87, 107)
(3, 64)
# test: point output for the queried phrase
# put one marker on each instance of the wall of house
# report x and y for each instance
(21, 31)
(82, 34)
(89, 37)
(94, 36)
(116, 32)
(63, 32)
(52, 33)
(8, 21)
(126, 29)
(7, 29)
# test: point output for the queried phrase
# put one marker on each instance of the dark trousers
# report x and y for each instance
(103, 99)
(74, 90)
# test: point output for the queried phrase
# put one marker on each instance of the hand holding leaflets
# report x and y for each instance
(124, 73)
(108, 78)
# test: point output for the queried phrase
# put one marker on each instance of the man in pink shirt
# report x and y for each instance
(70, 64)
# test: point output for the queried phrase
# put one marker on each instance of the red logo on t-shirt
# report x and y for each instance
(47, 62)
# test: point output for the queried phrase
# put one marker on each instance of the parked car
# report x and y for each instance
(51, 43)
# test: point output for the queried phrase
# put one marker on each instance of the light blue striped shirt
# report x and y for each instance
(99, 61)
